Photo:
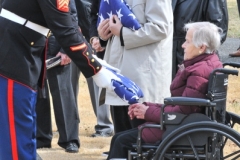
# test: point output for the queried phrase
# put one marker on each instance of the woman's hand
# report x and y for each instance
(137, 110)
(104, 31)
(115, 25)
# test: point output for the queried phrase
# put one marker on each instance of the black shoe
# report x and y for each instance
(102, 134)
(105, 154)
(72, 147)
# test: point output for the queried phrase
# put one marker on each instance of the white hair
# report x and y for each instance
(205, 33)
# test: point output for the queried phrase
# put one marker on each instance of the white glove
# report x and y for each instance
(104, 78)
(105, 64)
(126, 89)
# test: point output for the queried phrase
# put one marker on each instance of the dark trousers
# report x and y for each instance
(122, 142)
(102, 112)
(121, 120)
(44, 124)
(63, 83)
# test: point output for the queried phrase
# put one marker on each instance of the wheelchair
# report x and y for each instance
(209, 135)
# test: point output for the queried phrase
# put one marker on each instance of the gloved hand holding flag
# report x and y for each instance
(121, 9)
(126, 89)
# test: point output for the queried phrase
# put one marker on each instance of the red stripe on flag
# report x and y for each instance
(12, 120)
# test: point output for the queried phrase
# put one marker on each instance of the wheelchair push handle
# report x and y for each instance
(226, 71)
(232, 64)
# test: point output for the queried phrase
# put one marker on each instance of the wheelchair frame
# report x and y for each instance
(195, 136)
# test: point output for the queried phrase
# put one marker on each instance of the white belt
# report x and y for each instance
(15, 18)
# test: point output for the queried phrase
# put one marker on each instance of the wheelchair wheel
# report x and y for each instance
(222, 142)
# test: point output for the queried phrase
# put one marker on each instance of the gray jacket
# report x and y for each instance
(146, 57)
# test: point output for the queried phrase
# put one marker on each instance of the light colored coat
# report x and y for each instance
(146, 57)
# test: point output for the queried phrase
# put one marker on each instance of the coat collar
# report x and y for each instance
(201, 57)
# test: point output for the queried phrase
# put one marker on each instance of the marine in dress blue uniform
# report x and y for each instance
(24, 26)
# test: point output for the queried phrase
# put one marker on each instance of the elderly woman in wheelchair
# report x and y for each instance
(191, 80)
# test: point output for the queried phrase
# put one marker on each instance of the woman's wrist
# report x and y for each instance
(102, 39)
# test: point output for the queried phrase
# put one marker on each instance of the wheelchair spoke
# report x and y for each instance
(231, 151)
(192, 146)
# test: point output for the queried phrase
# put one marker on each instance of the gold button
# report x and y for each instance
(87, 53)
(92, 60)
(97, 68)
(32, 43)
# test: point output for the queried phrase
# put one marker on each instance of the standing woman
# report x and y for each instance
(143, 55)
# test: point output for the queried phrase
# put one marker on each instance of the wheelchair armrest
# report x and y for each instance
(188, 101)
(184, 101)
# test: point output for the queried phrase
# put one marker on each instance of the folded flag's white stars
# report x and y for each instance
(110, 14)
(119, 13)
(121, 9)
(101, 18)
(132, 15)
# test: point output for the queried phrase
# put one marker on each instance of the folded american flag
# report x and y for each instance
(121, 9)
(126, 89)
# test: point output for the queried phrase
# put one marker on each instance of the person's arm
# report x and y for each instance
(68, 35)
(94, 39)
(217, 13)
(195, 85)
(53, 48)
(147, 110)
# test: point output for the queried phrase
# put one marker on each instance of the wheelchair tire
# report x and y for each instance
(214, 150)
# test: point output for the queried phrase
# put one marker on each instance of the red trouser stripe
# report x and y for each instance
(12, 120)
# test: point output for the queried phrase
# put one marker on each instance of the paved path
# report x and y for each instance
(230, 45)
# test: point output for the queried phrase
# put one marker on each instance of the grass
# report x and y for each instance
(234, 20)
(233, 97)
(91, 148)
